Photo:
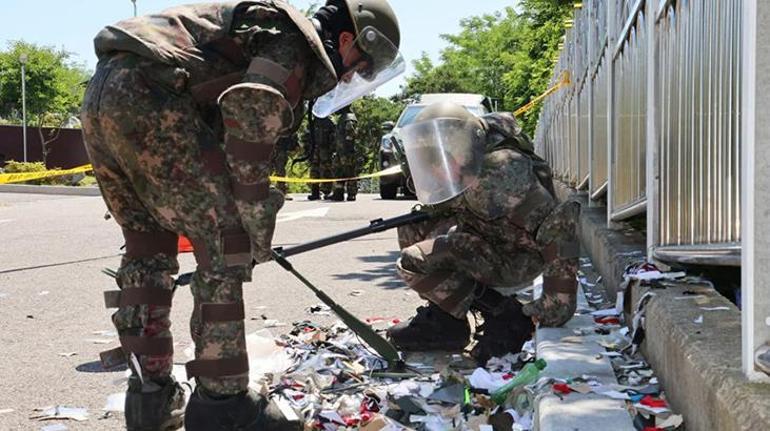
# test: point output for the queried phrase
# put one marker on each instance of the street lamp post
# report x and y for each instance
(23, 61)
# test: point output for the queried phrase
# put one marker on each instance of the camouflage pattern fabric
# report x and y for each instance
(346, 161)
(497, 234)
(159, 156)
(324, 134)
(284, 147)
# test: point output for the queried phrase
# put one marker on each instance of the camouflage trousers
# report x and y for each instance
(346, 166)
(278, 162)
(446, 265)
(145, 141)
(321, 167)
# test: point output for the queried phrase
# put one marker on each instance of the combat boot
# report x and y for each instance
(153, 405)
(351, 198)
(431, 329)
(247, 411)
(338, 195)
(314, 196)
(505, 329)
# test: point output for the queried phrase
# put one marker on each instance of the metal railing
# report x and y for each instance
(652, 120)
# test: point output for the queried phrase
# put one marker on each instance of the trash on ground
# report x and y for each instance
(54, 427)
(61, 412)
(115, 403)
(67, 354)
(6, 411)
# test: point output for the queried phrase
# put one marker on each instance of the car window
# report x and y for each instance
(409, 114)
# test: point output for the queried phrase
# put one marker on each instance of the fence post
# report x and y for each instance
(755, 190)
(611, 42)
(653, 166)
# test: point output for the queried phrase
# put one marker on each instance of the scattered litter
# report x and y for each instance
(698, 320)
(356, 293)
(604, 313)
(273, 323)
(6, 411)
(60, 412)
(115, 403)
(715, 308)
(673, 421)
(107, 333)
(68, 354)
(3, 295)
(99, 341)
(320, 310)
(44, 293)
(54, 427)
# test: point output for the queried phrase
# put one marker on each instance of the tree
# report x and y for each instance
(371, 112)
(507, 55)
(55, 85)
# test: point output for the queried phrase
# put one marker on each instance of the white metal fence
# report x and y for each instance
(651, 122)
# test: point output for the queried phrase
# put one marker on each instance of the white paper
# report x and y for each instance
(715, 308)
(60, 412)
(115, 403)
(54, 427)
(616, 395)
(605, 313)
(6, 411)
(482, 379)
(699, 320)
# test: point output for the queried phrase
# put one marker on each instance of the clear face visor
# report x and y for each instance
(380, 62)
(445, 157)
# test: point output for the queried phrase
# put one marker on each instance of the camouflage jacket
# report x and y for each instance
(513, 195)
(266, 44)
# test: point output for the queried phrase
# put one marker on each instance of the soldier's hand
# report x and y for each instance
(552, 310)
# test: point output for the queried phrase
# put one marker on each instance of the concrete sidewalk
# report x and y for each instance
(577, 412)
(50, 190)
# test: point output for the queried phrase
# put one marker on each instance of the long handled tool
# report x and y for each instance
(369, 335)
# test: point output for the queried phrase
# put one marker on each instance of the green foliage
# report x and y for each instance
(371, 112)
(14, 167)
(507, 55)
(55, 84)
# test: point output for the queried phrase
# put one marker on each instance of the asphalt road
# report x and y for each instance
(52, 249)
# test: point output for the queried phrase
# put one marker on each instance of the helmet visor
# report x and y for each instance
(445, 156)
(380, 62)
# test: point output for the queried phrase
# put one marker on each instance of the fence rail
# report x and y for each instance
(652, 121)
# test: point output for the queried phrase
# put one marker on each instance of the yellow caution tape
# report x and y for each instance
(30, 176)
(389, 171)
(563, 82)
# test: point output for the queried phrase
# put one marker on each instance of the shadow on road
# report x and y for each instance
(96, 367)
(384, 275)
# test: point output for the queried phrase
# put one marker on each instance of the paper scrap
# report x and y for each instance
(673, 421)
(607, 312)
(356, 293)
(54, 427)
(698, 320)
(6, 411)
(615, 395)
(60, 412)
(272, 323)
(715, 308)
(44, 293)
(98, 341)
(115, 403)
(67, 354)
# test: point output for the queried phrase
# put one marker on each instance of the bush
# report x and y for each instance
(14, 167)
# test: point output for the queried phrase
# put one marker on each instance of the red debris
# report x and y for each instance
(652, 402)
(561, 388)
(607, 320)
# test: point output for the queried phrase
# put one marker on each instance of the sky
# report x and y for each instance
(73, 24)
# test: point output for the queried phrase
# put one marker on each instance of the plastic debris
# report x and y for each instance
(115, 403)
(54, 427)
(6, 411)
(60, 412)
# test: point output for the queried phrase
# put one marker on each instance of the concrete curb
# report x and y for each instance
(699, 365)
(50, 190)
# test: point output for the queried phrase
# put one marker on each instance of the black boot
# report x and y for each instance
(314, 196)
(431, 329)
(505, 328)
(154, 406)
(247, 411)
(338, 195)
(351, 198)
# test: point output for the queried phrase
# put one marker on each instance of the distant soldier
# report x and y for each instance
(497, 224)
(322, 143)
(285, 146)
(346, 162)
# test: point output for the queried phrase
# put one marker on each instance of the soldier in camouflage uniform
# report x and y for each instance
(502, 230)
(346, 162)
(322, 154)
(285, 146)
(180, 121)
